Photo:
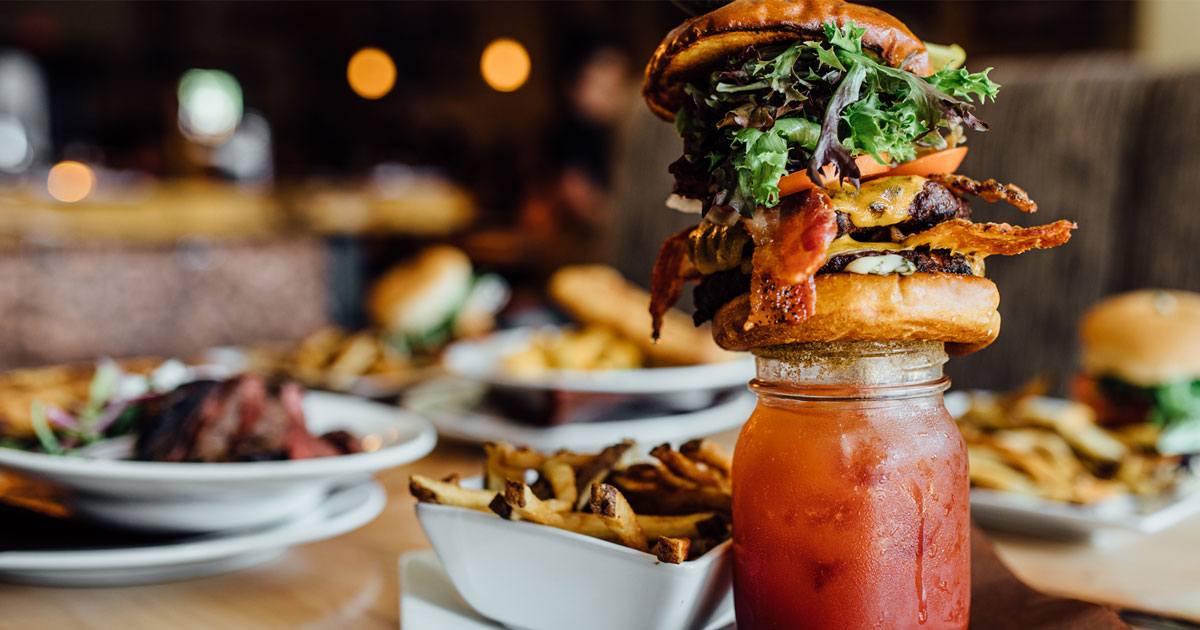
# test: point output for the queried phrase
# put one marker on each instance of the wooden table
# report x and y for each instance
(351, 581)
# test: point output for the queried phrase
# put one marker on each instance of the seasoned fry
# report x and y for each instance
(688, 469)
(672, 550)
(448, 493)
(496, 471)
(524, 502)
(598, 469)
(612, 508)
(709, 453)
(562, 479)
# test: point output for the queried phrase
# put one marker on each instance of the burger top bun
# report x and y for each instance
(418, 295)
(1145, 338)
(706, 40)
(959, 310)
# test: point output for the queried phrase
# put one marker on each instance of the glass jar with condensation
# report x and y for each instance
(850, 492)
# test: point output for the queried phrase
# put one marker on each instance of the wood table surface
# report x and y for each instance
(352, 581)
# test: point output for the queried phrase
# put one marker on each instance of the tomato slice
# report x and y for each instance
(944, 161)
(798, 181)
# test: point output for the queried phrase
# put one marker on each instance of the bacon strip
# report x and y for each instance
(671, 270)
(790, 242)
(988, 190)
(991, 238)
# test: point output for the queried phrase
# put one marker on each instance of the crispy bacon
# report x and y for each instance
(671, 270)
(991, 238)
(790, 242)
(988, 190)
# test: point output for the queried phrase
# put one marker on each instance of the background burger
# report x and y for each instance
(819, 138)
(1140, 356)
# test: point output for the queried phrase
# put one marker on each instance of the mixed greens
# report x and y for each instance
(1175, 407)
(811, 104)
(110, 408)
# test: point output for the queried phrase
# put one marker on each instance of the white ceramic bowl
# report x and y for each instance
(480, 359)
(195, 497)
(533, 577)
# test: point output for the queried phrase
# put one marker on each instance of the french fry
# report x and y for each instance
(688, 469)
(709, 453)
(598, 470)
(448, 493)
(561, 476)
(524, 503)
(610, 505)
(672, 550)
(496, 470)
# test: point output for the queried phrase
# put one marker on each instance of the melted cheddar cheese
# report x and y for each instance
(878, 202)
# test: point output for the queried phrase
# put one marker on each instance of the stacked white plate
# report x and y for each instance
(221, 516)
(666, 404)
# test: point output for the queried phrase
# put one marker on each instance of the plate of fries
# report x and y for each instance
(362, 363)
(541, 538)
(1043, 465)
(589, 359)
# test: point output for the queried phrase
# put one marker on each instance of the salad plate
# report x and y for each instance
(211, 497)
(482, 360)
(337, 512)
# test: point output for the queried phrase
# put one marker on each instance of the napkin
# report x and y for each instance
(999, 601)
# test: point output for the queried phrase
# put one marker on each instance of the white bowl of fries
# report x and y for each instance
(546, 564)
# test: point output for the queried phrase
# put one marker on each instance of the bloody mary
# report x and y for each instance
(851, 495)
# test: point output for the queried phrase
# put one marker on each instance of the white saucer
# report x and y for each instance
(428, 600)
(480, 359)
(451, 405)
(342, 510)
(211, 497)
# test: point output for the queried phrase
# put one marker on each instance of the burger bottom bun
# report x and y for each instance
(959, 310)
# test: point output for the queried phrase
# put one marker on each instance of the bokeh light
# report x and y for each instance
(210, 105)
(371, 73)
(15, 152)
(505, 64)
(70, 181)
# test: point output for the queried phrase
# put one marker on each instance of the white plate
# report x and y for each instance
(342, 510)
(1033, 515)
(480, 359)
(428, 600)
(452, 406)
(210, 497)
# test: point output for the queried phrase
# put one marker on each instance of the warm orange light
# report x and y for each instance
(504, 64)
(70, 181)
(371, 73)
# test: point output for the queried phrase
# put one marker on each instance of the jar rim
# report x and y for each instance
(849, 392)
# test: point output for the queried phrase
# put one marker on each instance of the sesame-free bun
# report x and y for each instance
(421, 294)
(704, 41)
(957, 309)
(599, 295)
(1146, 338)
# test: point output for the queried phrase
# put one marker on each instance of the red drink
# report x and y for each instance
(851, 496)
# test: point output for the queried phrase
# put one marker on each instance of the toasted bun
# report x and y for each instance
(1146, 338)
(706, 40)
(960, 310)
(600, 295)
(419, 295)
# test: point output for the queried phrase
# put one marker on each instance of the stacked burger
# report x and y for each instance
(820, 141)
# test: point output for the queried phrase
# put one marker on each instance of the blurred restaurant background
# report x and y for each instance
(180, 176)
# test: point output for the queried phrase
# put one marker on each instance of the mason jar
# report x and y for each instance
(850, 492)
